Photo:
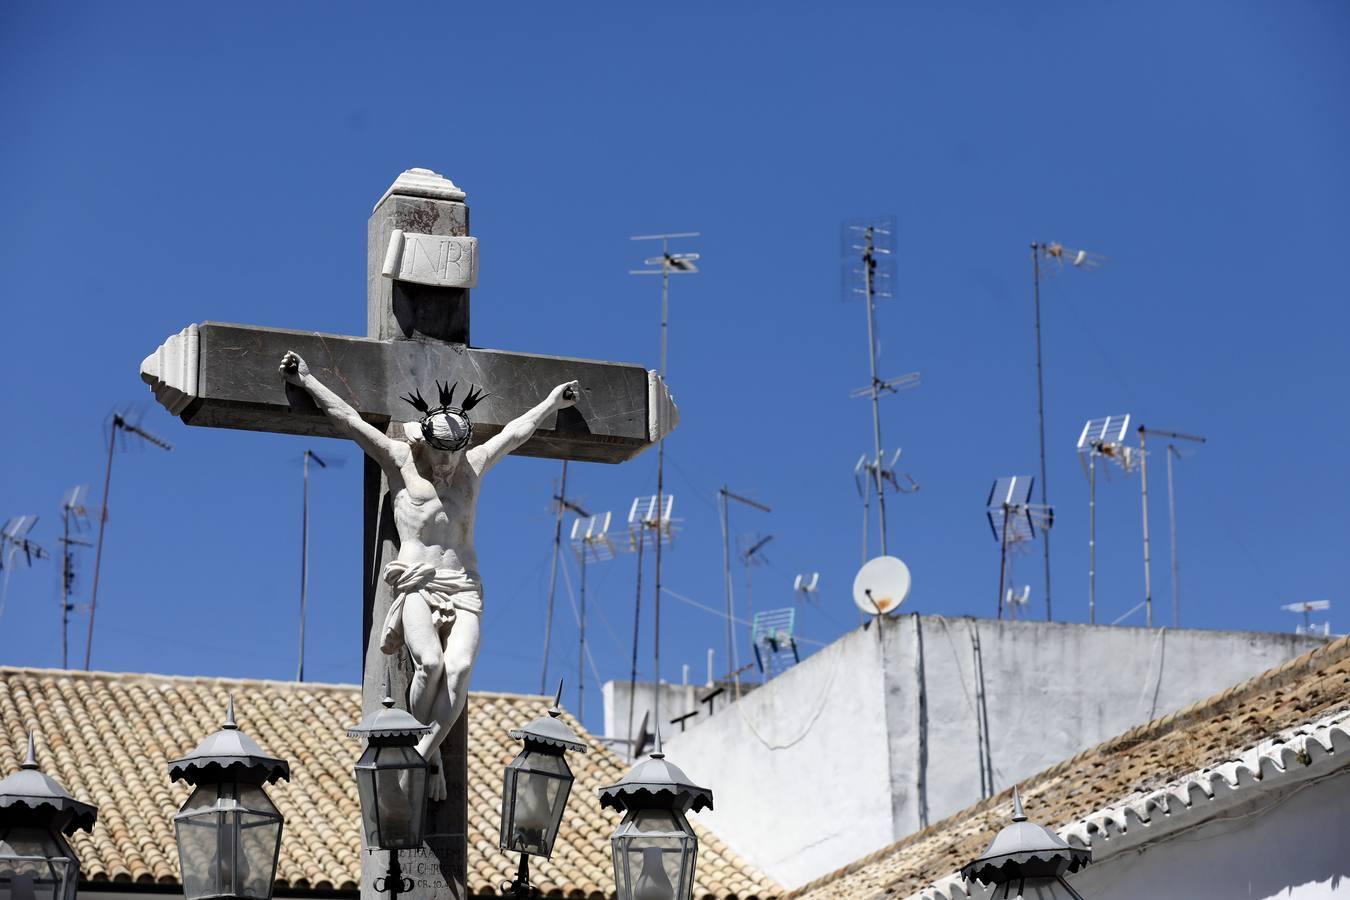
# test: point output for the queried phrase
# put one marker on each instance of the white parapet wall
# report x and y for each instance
(870, 740)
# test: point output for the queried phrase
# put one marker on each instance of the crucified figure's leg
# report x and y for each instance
(440, 685)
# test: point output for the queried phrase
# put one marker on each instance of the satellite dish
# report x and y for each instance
(881, 585)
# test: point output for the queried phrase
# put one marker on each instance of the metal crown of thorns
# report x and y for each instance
(472, 398)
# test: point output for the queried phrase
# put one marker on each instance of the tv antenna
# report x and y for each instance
(590, 543)
(751, 550)
(74, 520)
(805, 587)
(724, 496)
(667, 264)
(646, 514)
(1101, 438)
(1057, 254)
(773, 637)
(1015, 600)
(869, 272)
(118, 428)
(1307, 608)
(307, 456)
(1172, 437)
(561, 504)
(14, 541)
(1013, 519)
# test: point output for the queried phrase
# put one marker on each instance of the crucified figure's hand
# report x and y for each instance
(293, 368)
(564, 395)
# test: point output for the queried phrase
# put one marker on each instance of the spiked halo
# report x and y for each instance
(472, 398)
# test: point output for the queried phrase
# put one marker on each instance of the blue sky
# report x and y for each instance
(165, 164)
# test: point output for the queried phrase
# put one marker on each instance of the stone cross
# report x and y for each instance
(420, 265)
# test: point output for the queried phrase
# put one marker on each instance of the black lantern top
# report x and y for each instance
(389, 725)
(229, 755)
(1025, 850)
(29, 792)
(656, 782)
(549, 730)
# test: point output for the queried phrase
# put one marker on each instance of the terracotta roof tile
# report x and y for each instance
(109, 737)
(1149, 758)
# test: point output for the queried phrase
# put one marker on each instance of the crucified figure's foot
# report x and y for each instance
(436, 791)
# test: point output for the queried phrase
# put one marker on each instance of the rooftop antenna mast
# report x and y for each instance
(304, 547)
(1104, 438)
(1171, 517)
(724, 495)
(869, 272)
(654, 514)
(116, 428)
(1013, 519)
(1307, 607)
(14, 540)
(590, 542)
(1057, 254)
(667, 264)
(752, 555)
(561, 504)
(74, 517)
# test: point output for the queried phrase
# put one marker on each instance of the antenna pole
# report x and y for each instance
(118, 422)
(304, 563)
(869, 263)
(1092, 537)
(1172, 527)
(637, 619)
(65, 587)
(1148, 571)
(1040, 410)
(723, 494)
(1003, 562)
(581, 638)
(553, 576)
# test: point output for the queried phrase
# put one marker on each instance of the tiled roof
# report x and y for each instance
(1286, 725)
(108, 738)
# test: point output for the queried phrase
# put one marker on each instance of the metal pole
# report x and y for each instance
(304, 564)
(102, 527)
(726, 581)
(1148, 571)
(65, 587)
(553, 577)
(1172, 526)
(1092, 538)
(1040, 413)
(581, 638)
(1003, 562)
(660, 503)
(637, 618)
(869, 262)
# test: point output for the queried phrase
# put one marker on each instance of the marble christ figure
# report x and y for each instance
(434, 480)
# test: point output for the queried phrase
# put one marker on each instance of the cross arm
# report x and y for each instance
(225, 376)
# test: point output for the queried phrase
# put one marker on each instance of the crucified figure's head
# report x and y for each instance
(445, 427)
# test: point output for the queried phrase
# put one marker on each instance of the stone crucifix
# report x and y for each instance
(424, 461)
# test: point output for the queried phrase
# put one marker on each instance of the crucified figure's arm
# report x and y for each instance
(385, 451)
(519, 430)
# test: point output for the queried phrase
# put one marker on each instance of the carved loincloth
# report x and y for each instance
(446, 593)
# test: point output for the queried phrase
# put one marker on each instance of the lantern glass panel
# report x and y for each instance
(229, 835)
(534, 796)
(654, 855)
(36, 864)
(392, 782)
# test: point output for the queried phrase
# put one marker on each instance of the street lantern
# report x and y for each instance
(36, 815)
(655, 850)
(535, 790)
(229, 833)
(1026, 860)
(391, 777)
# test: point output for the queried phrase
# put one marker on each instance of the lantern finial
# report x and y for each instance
(388, 700)
(30, 761)
(658, 753)
(229, 714)
(556, 709)
(1018, 815)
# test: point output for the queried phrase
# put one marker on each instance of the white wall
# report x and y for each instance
(1291, 846)
(831, 761)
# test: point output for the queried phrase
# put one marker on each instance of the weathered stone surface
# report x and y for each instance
(434, 259)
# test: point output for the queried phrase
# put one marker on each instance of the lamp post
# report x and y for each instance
(229, 833)
(1026, 860)
(391, 778)
(655, 850)
(535, 789)
(36, 815)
